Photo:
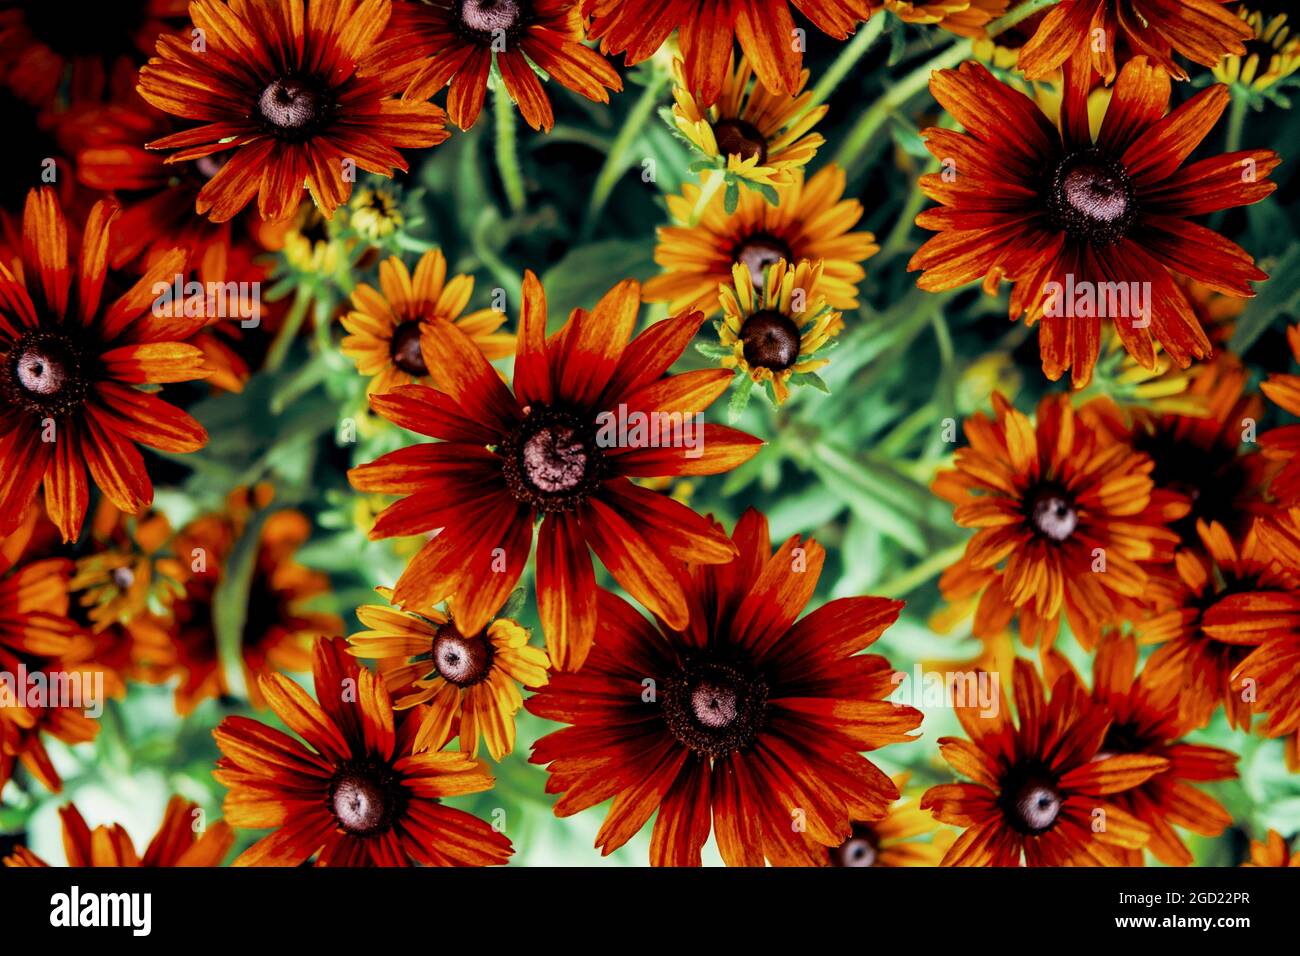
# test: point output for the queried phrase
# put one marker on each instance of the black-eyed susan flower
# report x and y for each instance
(1038, 789)
(1201, 30)
(549, 447)
(905, 836)
(963, 17)
(772, 336)
(1145, 719)
(351, 792)
(281, 88)
(749, 134)
(1049, 501)
(458, 43)
(811, 221)
(129, 572)
(470, 684)
(375, 212)
(748, 720)
(1271, 59)
(177, 843)
(387, 324)
(1272, 851)
(1056, 211)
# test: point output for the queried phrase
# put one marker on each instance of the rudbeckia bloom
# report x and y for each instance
(1040, 786)
(1201, 30)
(71, 361)
(387, 324)
(351, 791)
(457, 42)
(556, 448)
(279, 623)
(283, 92)
(1283, 444)
(905, 836)
(750, 132)
(470, 683)
(966, 18)
(129, 569)
(810, 221)
(1272, 851)
(1144, 719)
(707, 32)
(1054, 504)
(1233, 596)
(746, 717)
(773, 335)
(1087, 230)
(1272, 55)
(175, 843)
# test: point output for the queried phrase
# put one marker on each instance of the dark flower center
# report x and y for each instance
(294, 109)
(862, 848)
(1031, 800)
(1091, 198)
(1052, 513)
(405, 349)
(736, 137)
(714, 708)
(366, 797)
(770, 340)
(47, 373)
(758, 253)
(1214, 478)
(490, 20)
(553, 462)
(463, 661)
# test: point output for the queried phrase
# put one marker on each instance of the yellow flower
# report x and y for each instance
(374, 213)
(773, 334)
(762, 135)
(811, 221)
(388, 325)
(967, 18)
(1273, 55)
(470, 683)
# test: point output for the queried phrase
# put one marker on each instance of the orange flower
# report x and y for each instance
(1201, 30)
(505, 458)
(1039, 788)
(1232, 598)
(708, 30)
(890, 841)
(1144, 719)
(458, 42)
(388, 326)
(744, 716)
(1272, 852)
(68, 366)
(471, 683)
(175, 844)
(354, 793)
(1066, 218)
(1050, 502)
(289, 97)
(1283, 444)
(278, 627)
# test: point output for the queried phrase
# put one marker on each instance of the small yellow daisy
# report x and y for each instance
(388, 324)
(773, 335)
(755, 135)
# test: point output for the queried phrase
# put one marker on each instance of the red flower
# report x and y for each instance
(505, 459)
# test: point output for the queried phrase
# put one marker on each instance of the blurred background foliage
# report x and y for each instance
(851, 468)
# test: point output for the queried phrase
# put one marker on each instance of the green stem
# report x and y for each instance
(914, 577)
(1236, 127)
(289, 330)
(853, 51)
(713, 181)
(507, 152)
(614, 167)
(862, 133)
(1022, 12)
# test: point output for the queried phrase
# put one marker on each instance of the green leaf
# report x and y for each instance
(744, 385)
(587, 272)
(731, 198)
(1277, 297)
(230, 603)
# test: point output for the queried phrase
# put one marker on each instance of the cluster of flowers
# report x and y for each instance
(722, 710)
